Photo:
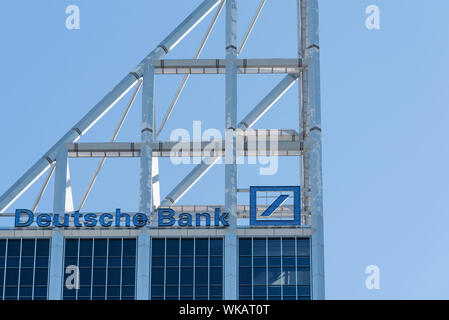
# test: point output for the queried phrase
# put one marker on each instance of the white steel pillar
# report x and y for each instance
(146, 182)
(143, 266)
(60, 205)
(311, 125)
(230, 280)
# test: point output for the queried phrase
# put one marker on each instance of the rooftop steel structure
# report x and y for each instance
(304, 69)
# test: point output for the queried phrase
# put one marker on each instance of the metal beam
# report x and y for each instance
(218, 66)
(193, 177)
(41, 166)
(251, 26)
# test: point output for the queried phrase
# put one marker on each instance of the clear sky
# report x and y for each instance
(385, 119)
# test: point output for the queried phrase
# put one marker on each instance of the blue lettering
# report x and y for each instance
(43, 220)
(90, 220)
(30, 220)
(223, 218)
(166, 214)
(198, 219)
(185, 220)
(57, 221)
(103, 218)
(140, 220)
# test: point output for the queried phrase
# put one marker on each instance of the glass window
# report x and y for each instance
(107, 268)
(21, 270)
(187, 268)
(274, 268)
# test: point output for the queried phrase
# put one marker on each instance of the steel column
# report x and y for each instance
(57, 241)
(312, 160)
(143, 267)
(230, 267)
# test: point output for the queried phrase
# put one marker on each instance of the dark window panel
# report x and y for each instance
(201, 261)
(201, 291)
(172, 247)
(86, 247)
(288, 261)
(69, 293)
(115, 248)
(26, 277)
(13, 248)
(274, 247)
(274, 290)
(100, 247)
(85, 262)
(201, 276)
(99, 277)
(303, 247)
(288, 247)
(129, 262)
(11, 292)
(13, 262)
(172, 276)
(71, 248)
(216, 276)
(100, 262)
(245, 290)
(172, 261)
(99, 291)
(158, 261)
(12, 277)
(113, 291)
(274, 261)
(129, 247)
(187, 291)
(202, 247)
(129, 276)
(158, 247)
(186, 261)
(42, 262)
(216, 247)
(260, 276)
(85, 276)
(289, 276)
(186, 276)
(289, 291)
(216, 291)
(260, 247)
(114, 262)
(157, 276)
(2, 248)
(245, 248)
(28, 247)
(157, 291)
(245, 276)
(303, 276)
(172, 292)
(43, 248)
(40, 276)
(114, 276)
(216, 261)
(259, 291)
(84, 291)
(40, 292)
(187, 247)
(304, 291)
(259, 261)
(128, 291)
(26, 292)
(303, 261)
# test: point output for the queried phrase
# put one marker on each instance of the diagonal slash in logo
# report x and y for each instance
(276, 204)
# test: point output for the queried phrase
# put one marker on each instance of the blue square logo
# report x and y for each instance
(275, 206)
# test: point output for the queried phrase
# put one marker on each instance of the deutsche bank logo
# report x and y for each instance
(275, 206)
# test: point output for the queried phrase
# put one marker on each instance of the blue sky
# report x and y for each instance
(385, 115)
